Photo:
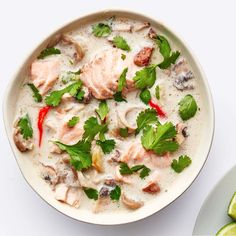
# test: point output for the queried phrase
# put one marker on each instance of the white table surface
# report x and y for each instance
(207, 26)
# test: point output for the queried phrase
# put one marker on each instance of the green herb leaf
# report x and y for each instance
(146, 77)
(101, 30)
(102, 110)
(187, 107)
(145, 96)
(54, 98)
(179, 165)
(25, 127)
(48, 52)
(115, 193)
(68, 76)
(91, 193)
(118, 97)
(165, 50)
(92, 128)
(157, 92)
(122, 80)
(80, 156)
(80, 95)
(123, 56)
(73, 121)
(121, 43)
(170, 60)
(145, 118)
(126, 170)
(107, 145)
(37, 96)
(160, 139)
(124, 132)
(144, 173)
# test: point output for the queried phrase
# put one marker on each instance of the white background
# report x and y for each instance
(207, 26)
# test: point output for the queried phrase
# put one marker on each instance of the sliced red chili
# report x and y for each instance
(42, 114)
(159, 110)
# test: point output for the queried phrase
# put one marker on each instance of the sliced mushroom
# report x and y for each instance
(131, 203)
(84, 181)
(49, 175)
(73, 197)
(152, 34)
(122, 27)
(22, 144)
(121, 178)
(97, 159)
(61, 192)
(181, 133)
(79, 51)
(152, 188)
(101, 204)
(140, 26)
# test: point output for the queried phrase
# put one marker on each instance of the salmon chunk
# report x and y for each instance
(102, 73)
(44, 74)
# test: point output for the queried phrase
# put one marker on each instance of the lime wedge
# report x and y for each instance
(232, 207)
(227, 230)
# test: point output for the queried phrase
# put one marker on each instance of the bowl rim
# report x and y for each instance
(114, 11)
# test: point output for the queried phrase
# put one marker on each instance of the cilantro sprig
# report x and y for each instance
(126, 170)
(25, 126)
(145, 118)
(48, 52)
(115, 193)
(145, 96)
(73, 121)
(80, 156)
(121, 84)
(91, 193)
(37, 96)
(102, 110)
(160, 138)
(180, 164)
(121, 43)
(54, 98)
(101, 30)
(169, 57)
(107, 145)
(146, 77)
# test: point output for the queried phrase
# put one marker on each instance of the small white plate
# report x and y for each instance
(213, 213)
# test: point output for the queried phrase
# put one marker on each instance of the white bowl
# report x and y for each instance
(181, 183)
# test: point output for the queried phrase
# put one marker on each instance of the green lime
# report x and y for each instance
(232, 207)
(227, 230)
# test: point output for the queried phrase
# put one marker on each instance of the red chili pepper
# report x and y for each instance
(42, 114)
(160, 112)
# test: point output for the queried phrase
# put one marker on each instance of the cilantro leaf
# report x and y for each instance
(145, 96)
(115, 193)
(92, 128)
(73, 121)
(25, 127)
(187, 107)
(101, 30)
(170, 60)
(54, 98)
(107, 145)
(146, 77)
(144, 173)
(121, 43)
(122, 80)
(123, 56)
(80, 95)
(157, 92)
(102, 110)
(48, 52)
(124, 132)
(126, 170)
(147, 117)
(80, 156)
(37, 96)
(91, 193)
(118, 97)
(68, 76)
(179, 165)
(165, 50)
(160, 138)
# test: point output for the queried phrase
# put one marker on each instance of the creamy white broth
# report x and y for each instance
(170, 97)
